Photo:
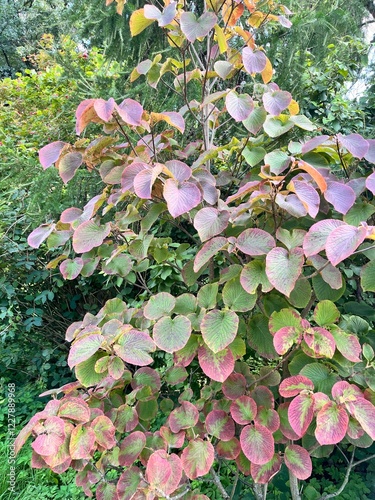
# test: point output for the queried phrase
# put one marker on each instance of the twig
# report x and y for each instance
(218, 484)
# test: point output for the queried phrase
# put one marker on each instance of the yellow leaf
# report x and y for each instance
(267, 72)
(293, 107)
(134, 75)
(246, 35)
(138, 22)
(221, 40)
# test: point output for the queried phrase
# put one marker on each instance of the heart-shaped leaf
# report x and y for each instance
(172, 334)
(84, 348)
(254, 61)
(219, 329)
(239, 106)
(209, 222)
(355, 144)
(181, 197)
(262, 474)
(255, 242)
(159, 305)
(220, 424)
(70, 269)
(331, 424)
(50, 153)
(343, 241)
(131, 447)
(194, 28)
(243, 410)
(89, 235)
(275, 102)
(163, 18)
(341, 196)
(217, 366)
(292, 386)
(283, 268)
(254, 122)
(134, 347)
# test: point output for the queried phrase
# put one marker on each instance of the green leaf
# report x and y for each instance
(172, 334)
(301, 293)
(326, 313)
(259, 337)
(285, 317)
(303, 122)
(159, 305)
(254, 155)
(368, 277)
(197, 458)
(360, 212)
(185, 304)
(321, 376)
(236, 298)
(219, 329)
(274, 127)
(85, 371)
(207, 296)
(253, 274)
(324, 292)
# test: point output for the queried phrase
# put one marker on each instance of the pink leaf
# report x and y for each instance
(243, 410)
(364, 412)
(269, 418)
(343, 392)
(182, 197)
(257, 443)
(276, 102)
(285, 338)
(129, 174)
(104, 432)
(262, 474)
(209, 222)
(144, 181)
(197, 458)
(51, 435)
(220, 425)
(253, 61)
(348, 345)
(301, 413)
(179, 170)
(314, 143)
(50, 153)
(291, 204)
(217, 366)
(41, 233)
(370, 182)
(228, 449)
(320, 341)
(131, 447)
(164, 471)
(208, 250)
(184, 417)
(104, 109)
(234, 386)
(134, 347)
(370, 155)
(343, 241)
(82, 441)
(130, 112)
(331, 424)
(298, 460)
(84, 348)
(330, 274)
(70, 269)
(194, 28)
(292, 386)
(316, 238)
(255, 242)
(239, 106)
(68, 166)
(283, 268)
(128, 483)
(89, 235)
(341, 196)
(163, 18)
(308, 196)
(355, 144)
(85, 113)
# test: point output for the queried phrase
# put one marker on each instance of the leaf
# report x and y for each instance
(236, 298)
(303, 122)
(359, 212)
(220, 425)
(316, 238)
(343, 241)
(331, 275)
(104, 431)
(275, 102)
(292, 386)
(259, 337)
(252, 275)
(326, 313)
(314, 174)
(239, 106)
(314, 143)
(134, 347)
(254, 61)
(68, 166)
(173, 119)
(74, 409)
(70, 269)
(82, 441)
(223, 68)
(320, 341)
(159, 305)
(208, 250)
(228, 449)
(308, 196)
(364, 412)
(197, 458)
(138, 22)
(243, 410)
(274, 127)
(254, 155)
(285, 338)
(254, 122)
(368, 277)
(298, 460)
(370, 183)
(341, 196)
(255, 242)
(209, 222)
(207, 296)
(163, 18)
(51, 436)
(184, 417)
(131, 447)
(331, 424)
(278, 162)
(267, 73)
(257, 444)
(291, 204)
(285, 427)
(41, 233)
(164, 471)
(104, 109)
(301, 293)
(194, 28)
(130, 112)
(355, 144)
(128, 483)
(181, 197)
(234, 386)
(301, 413)
(144, 181)
(217, 366)
(186, 355)
(347, 344)
(262, 474)
(85, 371)
(324, 291)
(89, 235)
(283, 268)
(219, 329)
(84, 348)
(171, 335)
(50, 153)
(284, 317)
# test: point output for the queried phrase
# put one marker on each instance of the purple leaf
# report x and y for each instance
(330, 274)
(283, 268)
(50, 154)
(104, 109)
(129, 174)
(343, 241)
(255, 242)
(163, 18)
(194, 28)
(308, 196)
(130, 112)
(254, 61)
(41, 233)
(179, 170)
(182, 197)
(89, 235)
(355, 144)
(209, 222)
(239, 106)
(341, 196)
(144, 181)
(370, 155)
(276, 102)
(370, 183)
(314, 143)
(316, 238)
(208, 250)
(68, 166)
(291, 204)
